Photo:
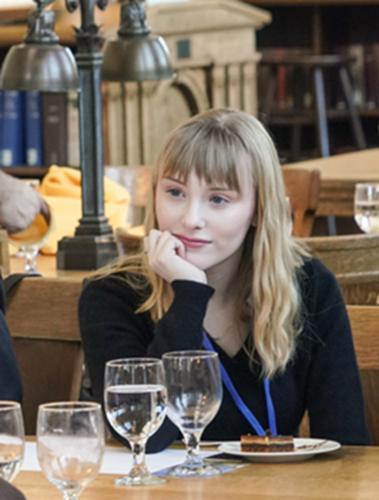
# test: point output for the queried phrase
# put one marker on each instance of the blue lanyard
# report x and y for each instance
(247, 413)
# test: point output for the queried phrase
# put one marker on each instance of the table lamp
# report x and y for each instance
(41, 64)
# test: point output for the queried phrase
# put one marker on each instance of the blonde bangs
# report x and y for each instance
(214, 154)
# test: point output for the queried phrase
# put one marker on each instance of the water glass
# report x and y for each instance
(12, 440)
(194, 392)
(135, 406)
(70, 445)
(366, 207)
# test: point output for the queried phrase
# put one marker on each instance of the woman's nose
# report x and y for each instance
(193, 215)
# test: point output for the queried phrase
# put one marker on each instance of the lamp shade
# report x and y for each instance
(45, 67)
(136, 58)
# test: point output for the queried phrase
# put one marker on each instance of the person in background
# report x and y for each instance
(222, 271)
(20, 203)
(10, 379)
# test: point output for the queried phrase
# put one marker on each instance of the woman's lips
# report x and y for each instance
(192, 242)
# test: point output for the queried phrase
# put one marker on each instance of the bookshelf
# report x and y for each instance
(26, 172)
(322, 26)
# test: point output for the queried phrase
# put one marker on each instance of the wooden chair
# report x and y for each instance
(303, 188)
(346, 254)
(42, 318)
(365, 326)
(360, 288)
(364, 322)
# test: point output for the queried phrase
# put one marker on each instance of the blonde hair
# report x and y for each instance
(216, 144)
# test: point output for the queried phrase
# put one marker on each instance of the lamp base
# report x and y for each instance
(86, 252)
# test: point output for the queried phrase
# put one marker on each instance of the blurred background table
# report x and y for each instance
(47, 266)
(339, 174)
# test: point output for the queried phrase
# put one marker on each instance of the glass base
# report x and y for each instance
(191, 471)
(139, 480)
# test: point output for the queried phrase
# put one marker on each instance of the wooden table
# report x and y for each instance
(350, 473)
(47, 265)
(339, 174)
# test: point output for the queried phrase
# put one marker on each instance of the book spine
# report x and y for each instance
(54, 128)
(73, 152)
(357, 71)
(34, 143)
(13, 129)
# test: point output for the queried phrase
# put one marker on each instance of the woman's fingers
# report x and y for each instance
(167, 257)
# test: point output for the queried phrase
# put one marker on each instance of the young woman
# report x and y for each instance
(219, 259)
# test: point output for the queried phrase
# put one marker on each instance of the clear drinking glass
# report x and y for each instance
(135, 404)
(366, 207)
(194, 392)
(12, 440)
(70, 445)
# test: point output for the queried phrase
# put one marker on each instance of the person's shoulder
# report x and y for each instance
(315, 270)
(318, 285)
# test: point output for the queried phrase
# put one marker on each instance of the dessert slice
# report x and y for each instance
(267, 444)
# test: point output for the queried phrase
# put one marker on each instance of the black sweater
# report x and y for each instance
(322, 378)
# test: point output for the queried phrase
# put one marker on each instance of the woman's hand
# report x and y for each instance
(167, 257)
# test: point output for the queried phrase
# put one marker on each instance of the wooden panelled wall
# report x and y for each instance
(219, 69)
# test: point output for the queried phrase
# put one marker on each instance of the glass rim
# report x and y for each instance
(72, 406)
(9, 405)
(190, 354)
(133, 362)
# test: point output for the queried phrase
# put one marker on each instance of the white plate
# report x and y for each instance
(304, 449)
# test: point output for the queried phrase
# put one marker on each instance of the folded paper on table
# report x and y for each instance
(118, 459)
(61, 189)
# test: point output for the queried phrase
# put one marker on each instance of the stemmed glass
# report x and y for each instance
(135, 405)
(194, 392)
(70, 445)
(30, 249)
(366, 207)
(12, 440)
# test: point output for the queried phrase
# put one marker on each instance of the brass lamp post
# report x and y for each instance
(35, 65)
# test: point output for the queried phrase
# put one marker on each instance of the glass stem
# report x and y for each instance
(70, 495)
(192, 443)
(138, 450)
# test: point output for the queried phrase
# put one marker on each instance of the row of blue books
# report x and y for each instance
(21, 141)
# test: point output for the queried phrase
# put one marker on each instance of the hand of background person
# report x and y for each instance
(167, 257)
(19, 204)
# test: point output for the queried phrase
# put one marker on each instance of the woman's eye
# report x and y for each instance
(174, 192)
(218, 200)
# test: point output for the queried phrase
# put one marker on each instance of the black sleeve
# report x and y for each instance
(10, 379)
(335, 400)
(111, 329)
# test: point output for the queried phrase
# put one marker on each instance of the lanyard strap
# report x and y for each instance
(246, 412)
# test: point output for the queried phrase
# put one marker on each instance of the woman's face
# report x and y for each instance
(211, 220)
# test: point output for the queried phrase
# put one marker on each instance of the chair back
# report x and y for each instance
(347, 254)
(364, 322)
(360, 288)
(42, 318)
(303, 188)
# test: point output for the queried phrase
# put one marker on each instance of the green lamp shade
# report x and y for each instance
(43, 67)
(136, 58)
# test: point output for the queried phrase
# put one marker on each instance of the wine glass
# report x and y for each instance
(194, 392)
(29, 241)
(135, 405)
(70, 445)
(366, 207)
(12, 440)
